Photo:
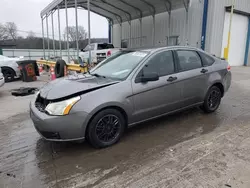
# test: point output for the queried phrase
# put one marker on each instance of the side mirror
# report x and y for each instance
(148, 77)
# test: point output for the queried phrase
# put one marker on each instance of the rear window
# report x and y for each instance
(104, 46)
(206, 59)
(188, 60)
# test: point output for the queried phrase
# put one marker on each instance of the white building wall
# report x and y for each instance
(178, 28)
(216, 17)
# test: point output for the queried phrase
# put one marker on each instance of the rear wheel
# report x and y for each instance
(212, 100)
(9, 74)
(106, 128)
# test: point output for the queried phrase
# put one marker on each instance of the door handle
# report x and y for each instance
(204, 70)
(171, 79)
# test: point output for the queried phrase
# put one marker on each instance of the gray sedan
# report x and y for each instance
(128, 88)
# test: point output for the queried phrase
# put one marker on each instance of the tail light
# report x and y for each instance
(109, 53)
(228, 67)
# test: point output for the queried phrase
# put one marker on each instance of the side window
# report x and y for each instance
(188, 60)
(206, 59)
(162, 64)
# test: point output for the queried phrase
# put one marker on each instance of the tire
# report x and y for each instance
(9, 74)
(212, 100)
(100, 129)
(59, 68)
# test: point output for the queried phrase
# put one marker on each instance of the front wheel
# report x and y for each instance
(9, 74)
(212, 100)
(106, 128)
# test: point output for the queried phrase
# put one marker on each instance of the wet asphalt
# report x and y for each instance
(187, 149)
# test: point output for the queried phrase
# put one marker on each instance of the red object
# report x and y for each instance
(65, 71)
(40, 68)
(109, 53)
(228, 67)
(52, 73)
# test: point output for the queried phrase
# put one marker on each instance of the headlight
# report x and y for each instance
(63, 107)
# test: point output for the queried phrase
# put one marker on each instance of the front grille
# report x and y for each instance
(101, 54)
(41, 103)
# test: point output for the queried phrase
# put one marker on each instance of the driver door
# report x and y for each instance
(155, 98)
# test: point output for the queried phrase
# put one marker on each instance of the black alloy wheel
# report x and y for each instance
(106, 128)
(212, 100)
(9, 74)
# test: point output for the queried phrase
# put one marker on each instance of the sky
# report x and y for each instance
(26, 15)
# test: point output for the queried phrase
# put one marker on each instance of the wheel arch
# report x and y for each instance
(220, 86)
(6, 67)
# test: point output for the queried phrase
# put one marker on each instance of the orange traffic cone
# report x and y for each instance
(52, 73)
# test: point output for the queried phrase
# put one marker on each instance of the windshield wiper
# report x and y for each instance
(97, 75)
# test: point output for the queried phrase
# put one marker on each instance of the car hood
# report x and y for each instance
(71, 86)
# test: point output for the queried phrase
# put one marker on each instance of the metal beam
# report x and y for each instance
(130, 35)
(67, 29)
(149, 5)
(130, 17)
(77, 36)
(85, 8)
(140, 31)
(153, 15)
(169, 20)
(95, 5)
(186, 4)
(89, 32)
(44, 57)
(59, 31)
(53, 34)
(153, 32)
(134, 7)
(47, 25)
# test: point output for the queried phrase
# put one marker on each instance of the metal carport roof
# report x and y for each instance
(116, 11)
(119, 11)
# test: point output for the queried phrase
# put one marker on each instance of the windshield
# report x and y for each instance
(104, 46)
(120, 65)
(92, 47)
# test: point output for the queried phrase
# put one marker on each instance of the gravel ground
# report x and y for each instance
(188, 149)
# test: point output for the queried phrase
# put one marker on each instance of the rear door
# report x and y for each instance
(193, 76)
(155, 98)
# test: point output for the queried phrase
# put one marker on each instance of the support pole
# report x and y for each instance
(169, 27)
(153, 32)
(186, 5)
(187, 28)
(44, 56)
(110, 31)
(89, 34)
(130, 34)
(59, 31)
(67, 29)
(47, 25)
(247, 44)
(140, 32)
(204, 25)
(53, 34)
(121, 33)
(226, 50)
(77, 33)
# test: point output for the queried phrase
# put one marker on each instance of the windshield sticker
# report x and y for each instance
(120, 72)
(140, 54)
